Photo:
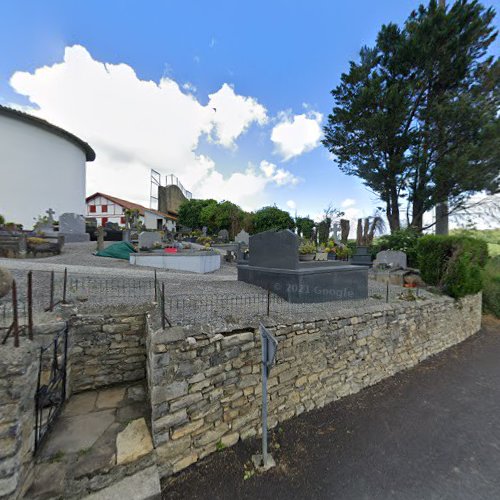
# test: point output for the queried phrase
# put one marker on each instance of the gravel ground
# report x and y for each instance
(218, 298)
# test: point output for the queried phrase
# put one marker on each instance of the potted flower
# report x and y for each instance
(332, 250)
(307, 251)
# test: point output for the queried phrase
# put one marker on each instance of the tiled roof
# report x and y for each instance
(129, 205)
(39, 122)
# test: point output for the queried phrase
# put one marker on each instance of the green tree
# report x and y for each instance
(305, 227)
(416, 117)
(190, 212)
(272, 218)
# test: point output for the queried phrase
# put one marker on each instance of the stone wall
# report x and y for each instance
(18, 378)
(205, 388)
(106, 349)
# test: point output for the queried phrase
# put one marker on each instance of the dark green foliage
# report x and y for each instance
(416, 117)
(462, 276)
(272, 218)
(2, 220)
(404, 240)
(305, 227)
(491, 291)
(190, 212)
(324, 231)
(452, 263)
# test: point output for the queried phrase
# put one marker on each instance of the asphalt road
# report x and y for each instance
(432, 432)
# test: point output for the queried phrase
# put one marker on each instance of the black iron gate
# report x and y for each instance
(51, 388)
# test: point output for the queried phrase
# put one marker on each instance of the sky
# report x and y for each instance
(229, 96)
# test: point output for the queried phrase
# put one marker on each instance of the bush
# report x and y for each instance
(452, 263)
(491, 290)
(404, 240)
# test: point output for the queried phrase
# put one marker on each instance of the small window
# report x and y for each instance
(104, 208)
(122, 220)
(104, 221)
(92, 209)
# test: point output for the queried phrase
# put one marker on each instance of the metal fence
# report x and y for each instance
(41, 291)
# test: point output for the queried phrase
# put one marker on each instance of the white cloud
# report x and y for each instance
(189, 87)
(280, 176)
(233, 114)
(291, 205)
(348, 202)
(297, 134)
(135, 125)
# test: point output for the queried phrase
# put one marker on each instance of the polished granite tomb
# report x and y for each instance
(274, 265)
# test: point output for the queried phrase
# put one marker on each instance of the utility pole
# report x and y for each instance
(442, 207)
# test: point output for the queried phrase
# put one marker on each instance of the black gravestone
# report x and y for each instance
(274, 249)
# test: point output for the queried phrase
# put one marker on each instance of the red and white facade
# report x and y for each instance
(106, 208)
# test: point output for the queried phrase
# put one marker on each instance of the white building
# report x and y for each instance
(106, 208)
(41, 166)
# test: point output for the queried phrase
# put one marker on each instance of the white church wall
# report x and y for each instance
(38, 170)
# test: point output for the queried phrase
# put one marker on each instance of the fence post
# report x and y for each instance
(65, 284)
(15, 323)
(387, 292)
(30, 305)
(268, 302)
(51, 305)
(163, 305)
(156, 288)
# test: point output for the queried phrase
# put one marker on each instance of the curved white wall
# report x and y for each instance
(38, 170)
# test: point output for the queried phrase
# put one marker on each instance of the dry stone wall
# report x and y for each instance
(18, 377)
(106, 349)
(205, 388)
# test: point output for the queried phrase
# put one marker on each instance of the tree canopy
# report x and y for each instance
(416, 118)
(272, 218)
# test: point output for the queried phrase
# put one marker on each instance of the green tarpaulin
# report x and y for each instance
(120, 250)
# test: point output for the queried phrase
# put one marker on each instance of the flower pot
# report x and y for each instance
(306, 257)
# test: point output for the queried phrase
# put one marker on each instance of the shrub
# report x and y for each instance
(307, 247)
(2, 220)
(452, 263)
(491, 291)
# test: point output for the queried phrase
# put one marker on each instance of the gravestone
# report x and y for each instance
(274, 265)
(242, 237)
(278, 249)
(391, 258)
(147, 239)
(72, 227)
(223, 236)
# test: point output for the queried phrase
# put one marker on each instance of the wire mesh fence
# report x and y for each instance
(49, 289)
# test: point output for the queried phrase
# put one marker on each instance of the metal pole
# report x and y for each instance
(16, 317)
(268, 302)
(163, 305)
(264, 400)
(51, 305)
(65, 284)
(156, 288)
(387, 292)
(30, 305)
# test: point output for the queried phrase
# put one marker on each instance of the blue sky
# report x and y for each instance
(285, 55)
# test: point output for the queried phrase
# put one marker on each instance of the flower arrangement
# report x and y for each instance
(307, 248)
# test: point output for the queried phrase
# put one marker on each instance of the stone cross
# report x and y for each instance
(336, 229)
(50, 213)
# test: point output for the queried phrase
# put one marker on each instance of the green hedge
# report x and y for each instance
(491, 291)
(452, 263)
